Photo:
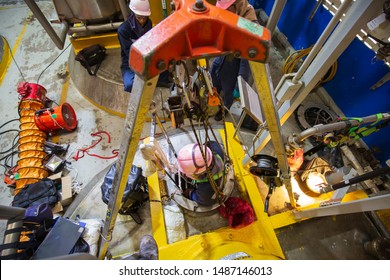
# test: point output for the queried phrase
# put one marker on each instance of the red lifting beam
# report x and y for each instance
(198, 29)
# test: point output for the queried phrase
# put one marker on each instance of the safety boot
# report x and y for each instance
(148, 249)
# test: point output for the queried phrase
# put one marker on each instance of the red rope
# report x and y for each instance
(81, 152)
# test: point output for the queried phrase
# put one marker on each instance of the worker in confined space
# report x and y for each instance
(224, 72)
(136, 25)
(192, 165)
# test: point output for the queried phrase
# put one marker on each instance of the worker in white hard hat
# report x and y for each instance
(136, 25)
(224, 72)
(193, 166)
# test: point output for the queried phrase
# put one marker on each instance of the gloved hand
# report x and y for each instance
(236, 93)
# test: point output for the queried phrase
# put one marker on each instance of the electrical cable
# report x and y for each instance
(9, 156)
(6, 158)
(5, 168)
(4, 124)
(10, 149)
(20, 71)
(13, 58)
(9, 130)
(39, 77)
(298, 56)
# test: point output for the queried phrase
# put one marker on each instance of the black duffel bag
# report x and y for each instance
(37, 193)
(135, 194)
(91, 56)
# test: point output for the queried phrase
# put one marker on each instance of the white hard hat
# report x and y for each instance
(140, 7)
(224, 4)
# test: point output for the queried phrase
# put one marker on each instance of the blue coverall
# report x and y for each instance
(128, 32)
(224, 75)
(203, 192)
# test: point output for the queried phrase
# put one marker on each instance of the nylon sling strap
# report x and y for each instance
(361, 132)
(358, 131)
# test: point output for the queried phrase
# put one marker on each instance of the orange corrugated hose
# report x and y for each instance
(31, 138)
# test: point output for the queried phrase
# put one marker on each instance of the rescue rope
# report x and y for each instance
(207, 126)
(198, 109)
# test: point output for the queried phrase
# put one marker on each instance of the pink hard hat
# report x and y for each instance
(140, 7)
(224, 4)
(190, 160)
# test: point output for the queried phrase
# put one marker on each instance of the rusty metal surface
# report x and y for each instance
(339, 237)
(92, 10)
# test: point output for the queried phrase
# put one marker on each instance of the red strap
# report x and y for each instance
(81, 152)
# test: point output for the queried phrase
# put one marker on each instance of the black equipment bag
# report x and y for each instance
(136, 191)
(91, 56)
(44, 191)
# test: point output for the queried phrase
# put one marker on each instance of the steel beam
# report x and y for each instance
(264, 88)
(318, 45)
(139, 102)
(59, 41)
(357, 206)
(197, 30)
(273, 19)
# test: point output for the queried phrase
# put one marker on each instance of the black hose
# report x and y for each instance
(370, 175)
